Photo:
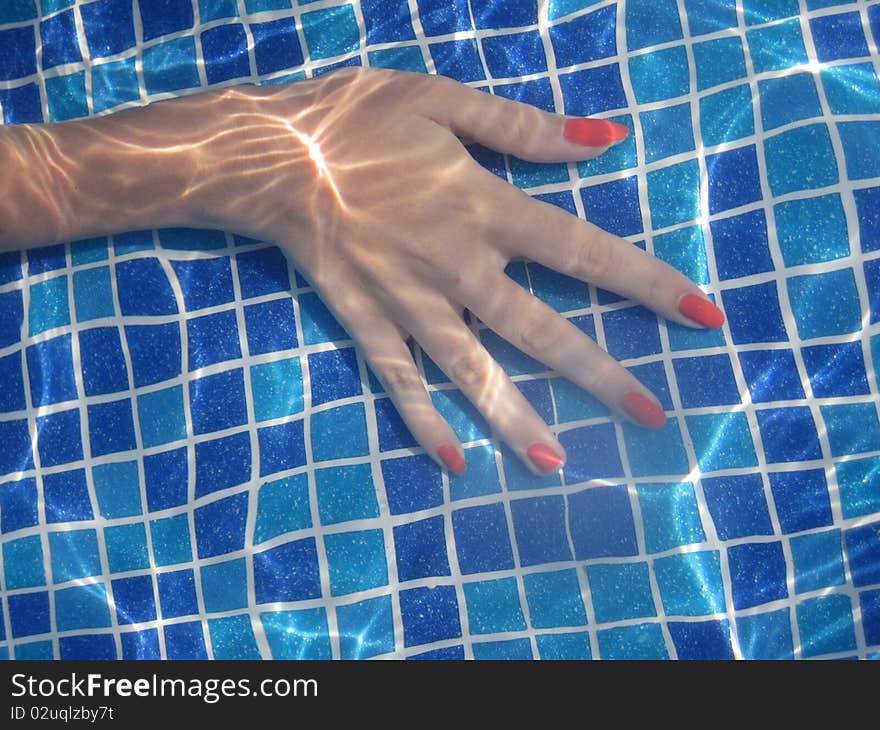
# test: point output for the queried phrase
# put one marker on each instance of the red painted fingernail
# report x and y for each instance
(594, 132)
(643, 409)
(701, 310)
(454, 461)
(544, 457)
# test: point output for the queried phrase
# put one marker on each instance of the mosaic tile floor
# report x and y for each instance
(197, 463)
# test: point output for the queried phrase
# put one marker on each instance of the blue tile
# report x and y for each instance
(757, 573)
(109, 27)
(718, 62)
(593, 90)
(701, 640)
(420, 548)
(331, 32)
(387, 21)
(458, 59)
(356, 561)
(20, 56)
(18, 501)
(222, 463)
(514, 13)
(870, 605)
(789, 434)
(218, 401)
(126, 547)
(539, 527)
(660, 75)
(674, 194)
(334, 375)
(777, 47)
(818, 561)
(667, 131)
(825, 625)
(722, 441)
(15, 11)
(636, 642)
(861, 141)
(23, 563)
(281, 447)
(621, 156)
(842, 311)
(162, 17)
(691, 583)
(155, 352)
(836, 370)
(232, 637)
(59, 41)
(852, 89)
(339, 433)
(171, 541)
(161, 416)
(590, 37)
(614, 206)
(117, 489)
(49, 308)
(461, 415)
(670, 516)
(788, 99)
(93, 294)
(812, 230)
(771, 375)
(852, 428)
(58, 438)
(554, 599)
(621, 591)
(304, 634)
(654, 452)
(225, 50)
(766, 635)
(482, 540)
(283, 507)
(449, 653)
(75, 555)
(288, 572)
(224, 585)
(165, 478)
(493, 606)
(810, 147)
(854, 479)
(838, 36)
(439, 17)
(276, 45)
(514, 54)
(706, 381)
(709, 17)
(217, 9)
(863, 551)
(318, 324)
(177, 593)
(753, 314)
(403, 58)
(366, 628)
(737, 505)
(651, 23)
(144, 288)
(802, 500)
(171, 66)
(727, 115)
(429, 614)
(601, 523)
(734, 179)
(111, 427)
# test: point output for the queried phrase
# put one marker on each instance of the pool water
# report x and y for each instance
(194, 471)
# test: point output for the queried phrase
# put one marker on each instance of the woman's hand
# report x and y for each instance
(361, 177)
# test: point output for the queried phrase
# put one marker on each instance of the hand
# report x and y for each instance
(361, 176)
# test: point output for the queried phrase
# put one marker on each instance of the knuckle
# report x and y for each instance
(540, 331)
(401, 381)
(594, 260)
(468, 370)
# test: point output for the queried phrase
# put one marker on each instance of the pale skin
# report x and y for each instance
(361, 177)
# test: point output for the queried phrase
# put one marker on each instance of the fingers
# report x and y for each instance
(536, 329)
(551, 236)
(513, 127)
(455, 349)
(383, 346)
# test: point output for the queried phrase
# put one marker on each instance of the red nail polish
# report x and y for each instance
(701, 310)
(643, 409)
(454, 461)
(594, 132)
(544, 457)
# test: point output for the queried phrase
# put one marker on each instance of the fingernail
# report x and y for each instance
(544, 457)
(643, 409)
(594, 132)
(701, 310)
(450, 456)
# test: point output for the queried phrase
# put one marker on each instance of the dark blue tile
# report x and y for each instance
(18, 505)
(19, 57)
(185, 641)
(420, 549)
(536, 92)
(21, 105)
(58, 438)
(458, 59)
(11, 317)
(165, 479)
(836, 370)
(789, 434)
(802, 500)
(753, 314)
(650, 22)
(537, 393)
(16, 455)
(212, 339)
(88, 647)
(141, 645)
(741, 245)
(870, 604)
(441, 17)
(631, 332)
(218, 401)
(482, 540)
(601, 523)
(59, 40)
(66, 495)
(177, 593)
(653, 376)
(334, 374)
(701, 640)
(588, 38)
(737, 505)
(109, 27)
(264, 271)
(863, 551)
(838, 36)
(706, 381)
(155, 352)
(134, 600)
(222, 463)
(111, 427)
(757, 573)
(592, 453)
(50, 371)
(103, 362)
(771, 375)
(614, 206)
(412, 483)
(12, 395)
(539, 526)
(276, 45)
(387, 21)
(225, 50)
(144, 289)
(733, 178)
(868, 207)
(288, 572)
(429, 614)
(393, 433)
(29, 614)
(220, 526)
(270, 326)
(162, 17)
(593, 90)
(490, 14)
(281, 447)
(204, 282)
(514, 54)
(449, 653)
